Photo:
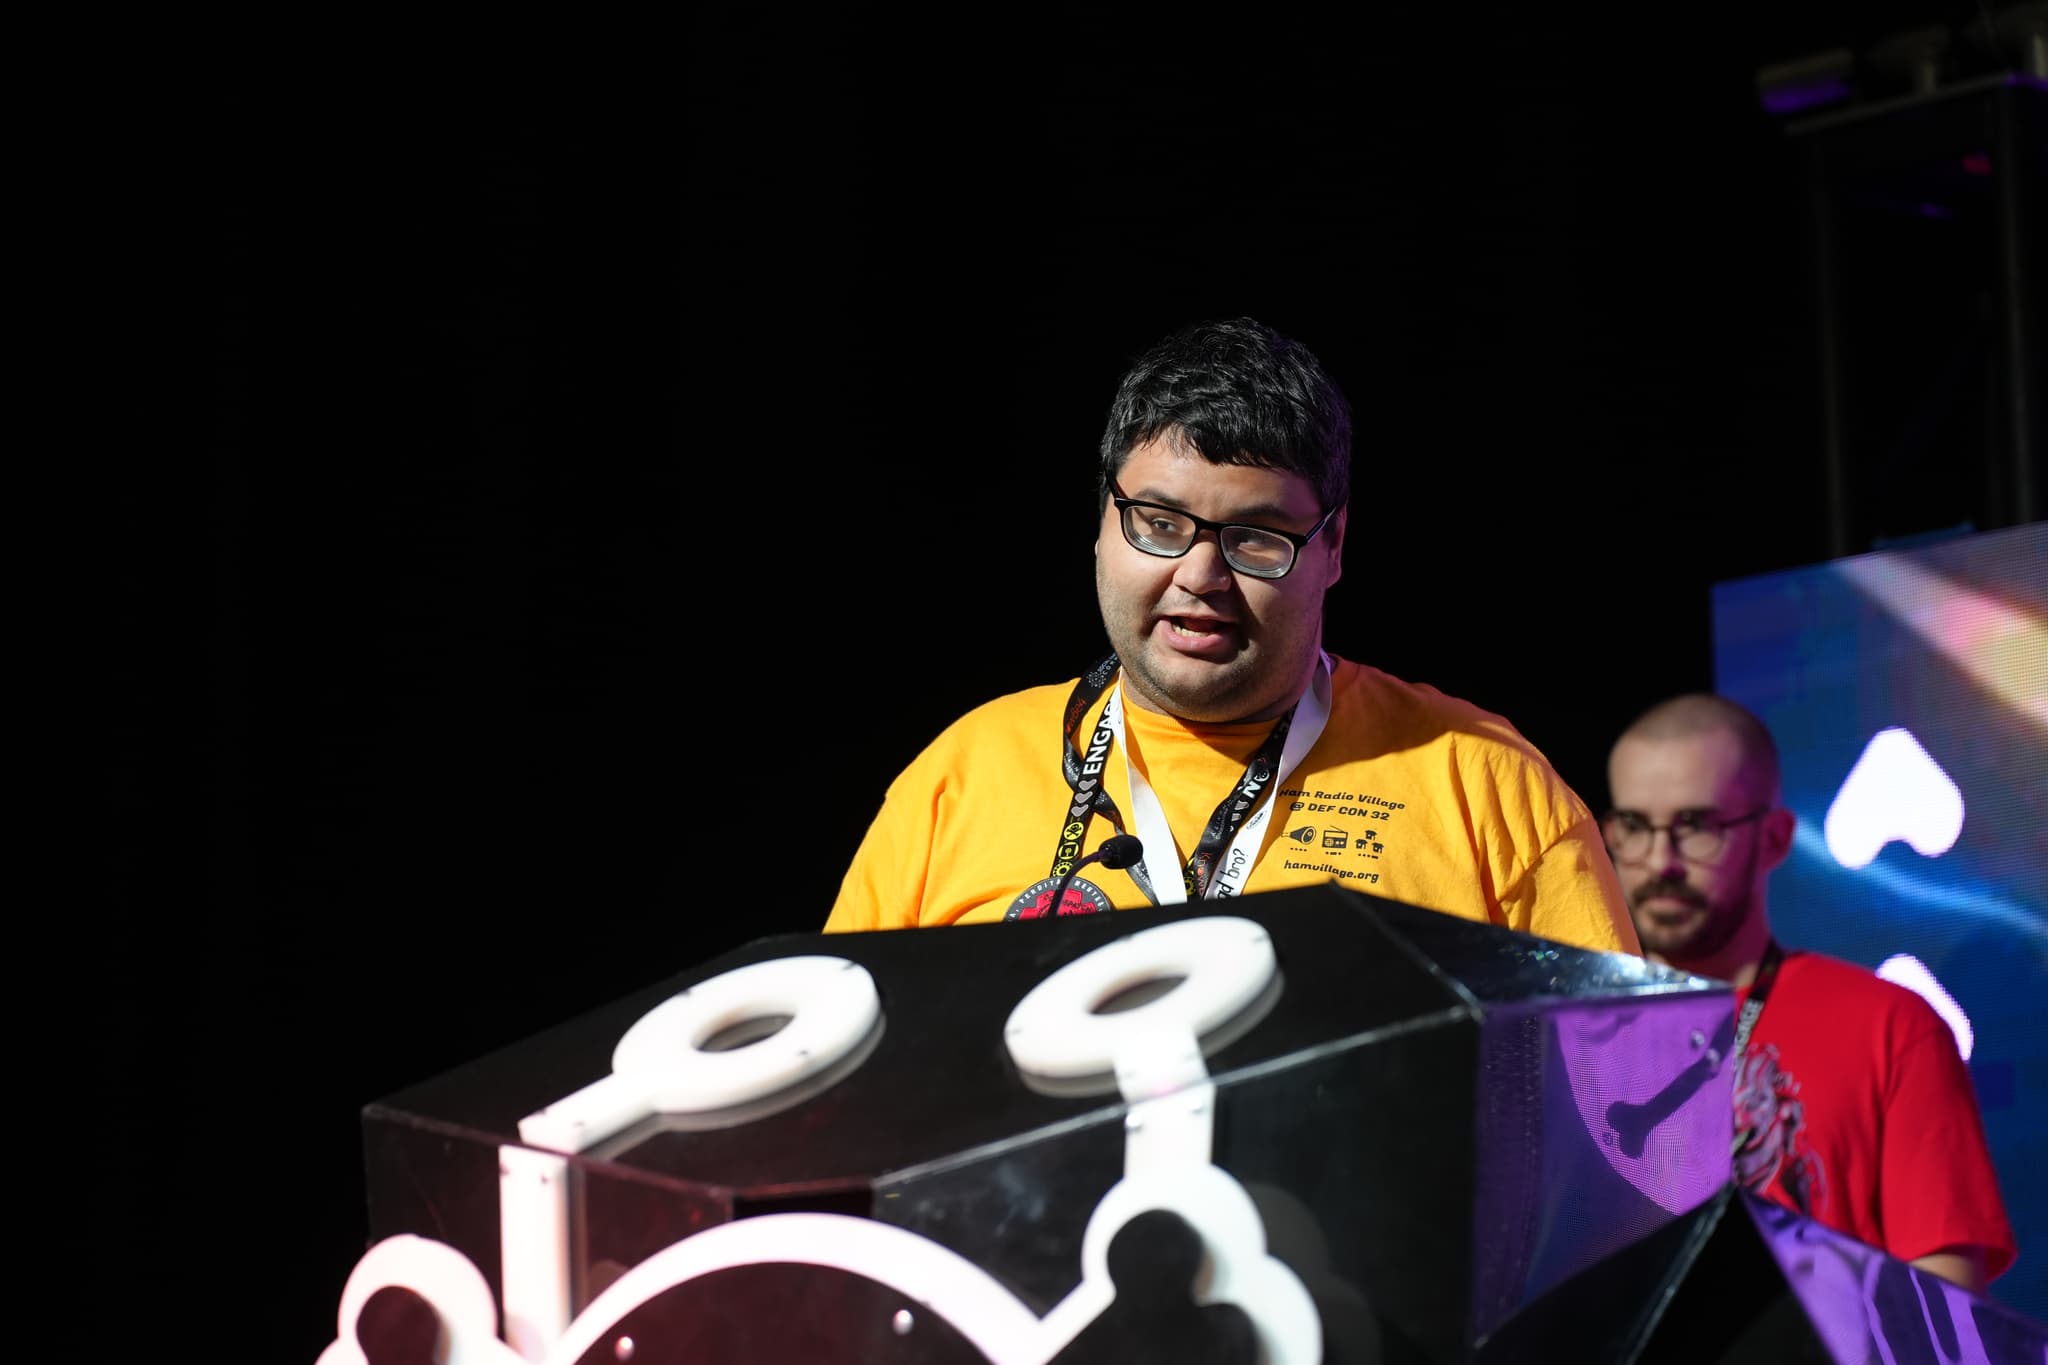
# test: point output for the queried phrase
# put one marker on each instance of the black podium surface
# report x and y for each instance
(1300, 1125)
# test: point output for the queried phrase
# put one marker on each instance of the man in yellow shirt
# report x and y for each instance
(1218, 731)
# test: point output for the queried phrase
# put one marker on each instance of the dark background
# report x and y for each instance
(600, 481)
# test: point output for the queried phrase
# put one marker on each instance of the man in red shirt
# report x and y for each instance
(1852, 1103)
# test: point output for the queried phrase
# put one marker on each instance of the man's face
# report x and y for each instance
(1197, 639)
(1689, 909)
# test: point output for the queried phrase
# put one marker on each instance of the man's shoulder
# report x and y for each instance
(1030, 708)
(1824, 971)
(997, 736)
(1032, 701)
(1835, 972)
(1422, 711)
(1845, 983)
(1361, 682)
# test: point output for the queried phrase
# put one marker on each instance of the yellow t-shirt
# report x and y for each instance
(1407, 794)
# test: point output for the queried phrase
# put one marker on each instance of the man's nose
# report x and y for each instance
(1663, 851)
(1203, 568)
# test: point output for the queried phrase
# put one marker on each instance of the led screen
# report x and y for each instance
(1908, 690)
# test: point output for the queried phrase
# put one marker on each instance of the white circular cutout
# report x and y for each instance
(450, 1283)
(1224, 962)
(830, 1003)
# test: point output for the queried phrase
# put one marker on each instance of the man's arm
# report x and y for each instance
(876, 891)
(1571, 895)
(1939, 1187)
(1966, 1266)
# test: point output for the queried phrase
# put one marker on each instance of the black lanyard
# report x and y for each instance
(1084, 776)
(1752, 1009)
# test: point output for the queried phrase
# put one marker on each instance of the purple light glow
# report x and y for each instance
(1790, 99)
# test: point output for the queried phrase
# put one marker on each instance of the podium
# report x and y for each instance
(1295, 1126)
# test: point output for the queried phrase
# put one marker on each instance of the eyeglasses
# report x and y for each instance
(1697, 836)
(1258, 551)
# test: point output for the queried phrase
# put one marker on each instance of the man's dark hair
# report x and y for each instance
(1237, 392)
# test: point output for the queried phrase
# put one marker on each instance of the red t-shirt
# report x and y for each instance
(1864, 1115)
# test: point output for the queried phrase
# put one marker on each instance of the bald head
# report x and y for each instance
(1703, 764)
(1696, 714)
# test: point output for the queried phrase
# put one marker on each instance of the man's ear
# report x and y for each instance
(1334, 533)
(1779, 826)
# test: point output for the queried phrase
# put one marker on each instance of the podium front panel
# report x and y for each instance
(1439, 1122)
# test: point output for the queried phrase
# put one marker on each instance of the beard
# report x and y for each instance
(1702, 934)
(1260, 680)
(1694, 937)
(1200, 693)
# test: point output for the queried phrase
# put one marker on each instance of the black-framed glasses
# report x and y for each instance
(1697, 835)
(1259, 551)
